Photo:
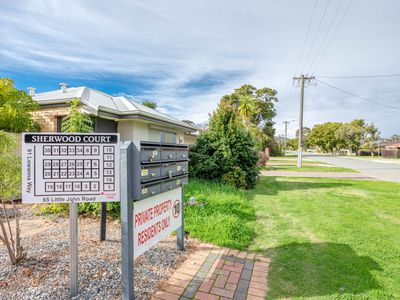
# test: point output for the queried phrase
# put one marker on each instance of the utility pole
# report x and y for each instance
(286, 125)
(302, 79)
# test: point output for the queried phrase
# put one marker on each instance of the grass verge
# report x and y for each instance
(329, 238)
(308, 169)
(226, 217)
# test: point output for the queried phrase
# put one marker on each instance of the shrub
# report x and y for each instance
(226, 152)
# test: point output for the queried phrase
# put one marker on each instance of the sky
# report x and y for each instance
(185, 55)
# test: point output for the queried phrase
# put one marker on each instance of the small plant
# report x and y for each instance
(10, 182)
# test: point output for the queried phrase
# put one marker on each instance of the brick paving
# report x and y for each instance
(218, 273)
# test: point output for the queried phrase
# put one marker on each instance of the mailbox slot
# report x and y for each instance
(182, 153)
(182, 168)
(168, 185)
(168, 154)
(150, 172)
(149, 154)
(150, 190)
(168, 170)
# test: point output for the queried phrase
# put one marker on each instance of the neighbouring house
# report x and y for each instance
(133, 120)
(392, 150)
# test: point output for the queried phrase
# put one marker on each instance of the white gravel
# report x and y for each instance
(44, 274)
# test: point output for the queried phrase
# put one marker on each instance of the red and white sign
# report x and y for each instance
(154, 218)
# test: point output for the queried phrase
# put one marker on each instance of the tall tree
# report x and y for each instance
(258, 109)
(76, 120)
(15, 108)
(150, 104)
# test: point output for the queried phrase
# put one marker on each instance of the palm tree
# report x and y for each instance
(247, 108)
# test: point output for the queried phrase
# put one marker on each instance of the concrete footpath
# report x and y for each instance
(340, 175)
(218, 273)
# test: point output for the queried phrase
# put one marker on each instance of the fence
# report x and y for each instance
(391, 153)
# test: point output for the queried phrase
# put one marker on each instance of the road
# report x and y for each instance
(381, 170)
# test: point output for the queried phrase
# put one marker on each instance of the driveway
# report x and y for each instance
(381, 170)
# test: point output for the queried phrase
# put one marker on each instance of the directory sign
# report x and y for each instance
(70, 167)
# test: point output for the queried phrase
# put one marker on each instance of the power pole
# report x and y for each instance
(302, 79)
(286, 125)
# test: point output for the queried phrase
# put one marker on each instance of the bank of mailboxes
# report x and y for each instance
(159, 167)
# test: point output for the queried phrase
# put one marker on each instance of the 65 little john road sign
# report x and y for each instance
(65, 168)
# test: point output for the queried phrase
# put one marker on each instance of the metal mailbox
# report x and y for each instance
(150, 172)
(161, 167)
(168, 154)
(149, 154)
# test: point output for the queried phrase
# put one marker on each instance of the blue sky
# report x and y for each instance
(186, 55)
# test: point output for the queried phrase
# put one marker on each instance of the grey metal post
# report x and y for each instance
(180, 234)
(103, 221)
(126, 181)
(73, 241)
(300, 150)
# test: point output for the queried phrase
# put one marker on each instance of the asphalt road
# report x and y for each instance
(381, 170)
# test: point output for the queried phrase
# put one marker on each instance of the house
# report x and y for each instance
(134, 121)
(392, 150)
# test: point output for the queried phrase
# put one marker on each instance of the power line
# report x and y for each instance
(306, 37)
(356, 96)
(316, 35)
(326, 34)
(360, 76)
(332, 36)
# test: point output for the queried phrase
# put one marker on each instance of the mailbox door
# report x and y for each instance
(149, 154)
(182, 168)
(151, 190)
(168, 185)
(150, 172)
(168, 170)
(182, 153)
(168, 154)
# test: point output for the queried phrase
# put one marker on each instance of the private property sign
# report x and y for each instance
(156, 217)
(67, 168)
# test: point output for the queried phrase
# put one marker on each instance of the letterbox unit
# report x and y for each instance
(158, 168)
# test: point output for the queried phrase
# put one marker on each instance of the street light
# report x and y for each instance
(286, 125)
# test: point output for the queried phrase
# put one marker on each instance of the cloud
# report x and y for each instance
(186, 55)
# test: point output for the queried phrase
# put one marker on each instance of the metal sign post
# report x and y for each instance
(73, 240)
(180, 233)
(127, 221)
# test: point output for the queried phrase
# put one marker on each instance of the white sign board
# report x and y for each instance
(70, 167)
(154, 218)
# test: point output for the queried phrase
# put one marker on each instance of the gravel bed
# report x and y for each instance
(44, 273)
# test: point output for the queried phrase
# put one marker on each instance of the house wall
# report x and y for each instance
(143, 131)
(47, 118)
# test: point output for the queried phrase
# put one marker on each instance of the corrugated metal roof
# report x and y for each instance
(99, 101)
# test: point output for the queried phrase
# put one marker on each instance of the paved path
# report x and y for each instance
(339, 175)
(384, 171)
(218, 273)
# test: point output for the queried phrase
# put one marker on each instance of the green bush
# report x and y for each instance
(226, 152)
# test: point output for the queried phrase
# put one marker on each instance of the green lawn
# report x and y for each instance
(308, 169)
(225, 216)
(294, 161)
(329, 238)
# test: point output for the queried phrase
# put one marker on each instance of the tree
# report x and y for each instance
(15, 108)
(351, 134)
(256, 108)
(150, 104)
(226, 151)
(191, 123)
(371, 136)
(395, 137)
(324, 136)
(10, 185)
(76, 121)
(247, 108)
